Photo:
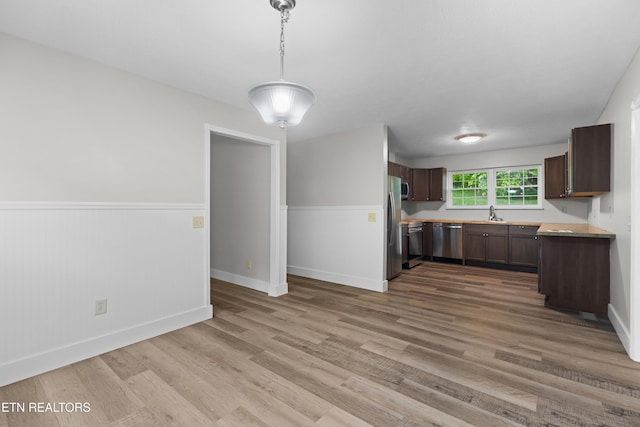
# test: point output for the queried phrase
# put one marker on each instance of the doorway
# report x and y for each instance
(246, 233)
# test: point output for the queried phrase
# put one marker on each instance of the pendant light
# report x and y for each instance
(282, 103)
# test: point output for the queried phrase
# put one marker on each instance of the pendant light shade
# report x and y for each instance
(282, 103)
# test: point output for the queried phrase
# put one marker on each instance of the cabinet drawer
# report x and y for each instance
(486, 228)
(524, 230)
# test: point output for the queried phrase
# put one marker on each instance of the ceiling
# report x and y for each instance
(523, 72)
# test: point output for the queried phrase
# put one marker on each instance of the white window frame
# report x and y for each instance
(491, 188)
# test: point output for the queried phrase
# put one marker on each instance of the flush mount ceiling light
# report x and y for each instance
(282, 103)
(470, 138)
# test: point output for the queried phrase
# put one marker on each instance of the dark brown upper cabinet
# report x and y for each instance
(555, 177)
(428, 184)
(401, 171)
(585, 170)
(419, 184)
(437, 184)
(589, 161)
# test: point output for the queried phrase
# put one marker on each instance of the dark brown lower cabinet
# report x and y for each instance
(486, 243)
(523, 245)
(573, 273)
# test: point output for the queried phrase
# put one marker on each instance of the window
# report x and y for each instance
(517, 187)
(506, 188)
(469, 189)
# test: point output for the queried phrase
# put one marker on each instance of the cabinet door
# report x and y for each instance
(523, 245)
(555, 171)
(497, 248)
(574, 273)
(523, 250)
(474, 246)
(405, 172)
(437, 184)
(393, 169)
(420, 184)
(589, 160)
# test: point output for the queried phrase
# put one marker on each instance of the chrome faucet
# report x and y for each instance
(492, 213)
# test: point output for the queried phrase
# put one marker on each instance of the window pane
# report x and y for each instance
(530, 200)
(516, 200)
(469, 189)
(516, 187)
(515, 175)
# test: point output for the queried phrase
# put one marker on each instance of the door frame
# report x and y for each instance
(277, 214)
(634, 285)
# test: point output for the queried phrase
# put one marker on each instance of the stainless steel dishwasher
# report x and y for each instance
(447, 240)
(415, 243)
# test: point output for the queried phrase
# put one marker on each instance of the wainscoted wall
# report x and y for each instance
(57, 259)
(338, 244)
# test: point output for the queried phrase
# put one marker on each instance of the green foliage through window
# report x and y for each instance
(469, 189)
(505, 187)
(517, 187)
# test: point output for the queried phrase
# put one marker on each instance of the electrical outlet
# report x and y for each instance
(101, 306)
(198, 222)
(248, 264)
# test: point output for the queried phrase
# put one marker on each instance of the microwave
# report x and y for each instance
(404, 190)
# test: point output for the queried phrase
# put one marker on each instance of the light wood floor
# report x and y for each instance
(447, 345)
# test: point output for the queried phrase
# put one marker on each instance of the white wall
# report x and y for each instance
(333, 184)
(57, 259)
(101, 173)
(240, 226)
(613, 211)
(570, 211)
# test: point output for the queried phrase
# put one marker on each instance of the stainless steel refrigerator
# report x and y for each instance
(394, 234)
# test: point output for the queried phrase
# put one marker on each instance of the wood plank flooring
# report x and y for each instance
(448, 345)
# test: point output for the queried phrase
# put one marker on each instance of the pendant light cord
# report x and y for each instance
(284, 18)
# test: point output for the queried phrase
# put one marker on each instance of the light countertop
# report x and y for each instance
(573, 230)
(468, 221)
(546, 229)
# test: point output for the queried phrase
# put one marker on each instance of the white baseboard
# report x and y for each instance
(236, 279)
(327, 276)
(46, 361)
(621, 330)
(278, 290)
